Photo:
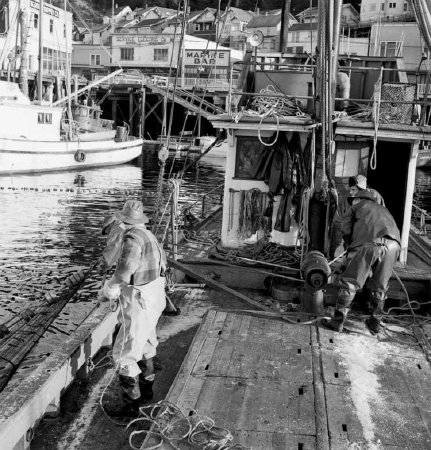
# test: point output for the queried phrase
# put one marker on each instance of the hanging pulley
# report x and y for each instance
(163, 153)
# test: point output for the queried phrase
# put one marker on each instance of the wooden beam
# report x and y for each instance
(153, 108)
(216, 285)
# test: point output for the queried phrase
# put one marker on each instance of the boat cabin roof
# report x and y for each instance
(345, 126)
(11, 93)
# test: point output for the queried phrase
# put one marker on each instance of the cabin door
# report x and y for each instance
(390, 176)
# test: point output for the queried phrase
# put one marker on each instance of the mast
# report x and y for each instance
(39, 75)
(284, 27)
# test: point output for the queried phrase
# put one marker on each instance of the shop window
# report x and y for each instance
(160, 54)
(127, 54)
(95, 60)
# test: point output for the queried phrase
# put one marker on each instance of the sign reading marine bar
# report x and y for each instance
(219, 58)
(46, 8)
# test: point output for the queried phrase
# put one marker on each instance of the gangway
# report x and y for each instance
(184, 98)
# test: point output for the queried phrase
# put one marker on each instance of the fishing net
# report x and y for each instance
(397, 112)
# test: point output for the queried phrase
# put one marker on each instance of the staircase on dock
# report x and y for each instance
(187, 99)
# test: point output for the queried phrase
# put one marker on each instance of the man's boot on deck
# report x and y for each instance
(130, 387)
(337, 322)
(146, 378)
(377, 302)
(342, 308)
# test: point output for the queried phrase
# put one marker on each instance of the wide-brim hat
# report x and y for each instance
(133, 212)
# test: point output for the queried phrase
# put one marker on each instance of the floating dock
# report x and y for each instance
(32, 396)
(276, 384)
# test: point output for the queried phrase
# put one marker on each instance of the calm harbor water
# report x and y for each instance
(47, 234)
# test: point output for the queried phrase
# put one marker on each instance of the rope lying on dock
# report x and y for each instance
(263, 252)
(169, 424)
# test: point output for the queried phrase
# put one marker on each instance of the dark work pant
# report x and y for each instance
(370, 263)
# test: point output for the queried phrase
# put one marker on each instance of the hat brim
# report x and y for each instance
(142, 219)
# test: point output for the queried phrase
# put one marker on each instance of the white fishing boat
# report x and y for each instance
(33, 138)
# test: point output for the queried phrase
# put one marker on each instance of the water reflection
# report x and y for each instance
(45, 232)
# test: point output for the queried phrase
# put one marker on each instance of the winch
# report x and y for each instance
(315, 270)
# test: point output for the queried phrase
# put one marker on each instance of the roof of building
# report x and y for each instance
(195, 14)
(163, 12)
(303, 26)
(241, 14)
(99, 28)
(314, 10)
(123, 23)
(147, 23)
(271, 20)
(120, 9)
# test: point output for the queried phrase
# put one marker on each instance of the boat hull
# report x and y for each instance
(23, 156)
(423, 158)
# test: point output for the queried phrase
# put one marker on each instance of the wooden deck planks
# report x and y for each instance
(277, 385)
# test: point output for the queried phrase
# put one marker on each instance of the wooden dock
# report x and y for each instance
(280, 385)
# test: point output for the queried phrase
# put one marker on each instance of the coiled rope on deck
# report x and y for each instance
(265, 106)
(169, 424)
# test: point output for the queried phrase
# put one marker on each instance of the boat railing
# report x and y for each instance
(204, 202)
(421, 218)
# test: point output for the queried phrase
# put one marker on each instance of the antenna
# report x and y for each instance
(256, 38)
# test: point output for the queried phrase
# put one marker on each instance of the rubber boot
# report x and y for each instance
(146, 378)
(337, 322)
(377, 302)
(130, 387)
(342, 307)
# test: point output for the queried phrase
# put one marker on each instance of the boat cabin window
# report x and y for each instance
(350, 159)
(251, 155)
(44, 118)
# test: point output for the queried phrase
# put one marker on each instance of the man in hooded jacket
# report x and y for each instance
(139, 284)
(373, 247)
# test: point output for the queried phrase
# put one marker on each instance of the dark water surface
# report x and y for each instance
(45, 235)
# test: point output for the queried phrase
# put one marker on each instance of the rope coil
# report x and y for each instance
(169, 424)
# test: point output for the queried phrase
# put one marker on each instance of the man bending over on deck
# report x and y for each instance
(359, 183)
(139, 284)
(373, 247)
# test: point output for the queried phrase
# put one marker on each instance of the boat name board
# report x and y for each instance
(46, 9)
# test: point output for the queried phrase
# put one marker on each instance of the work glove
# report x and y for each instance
(102, 267)
(110, 291)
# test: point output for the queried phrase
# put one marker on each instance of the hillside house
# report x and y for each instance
(231, 28)
(349, 15)
(383, 10)
(155, 12)
(121, 13)
(203, 24)
(270, 26)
